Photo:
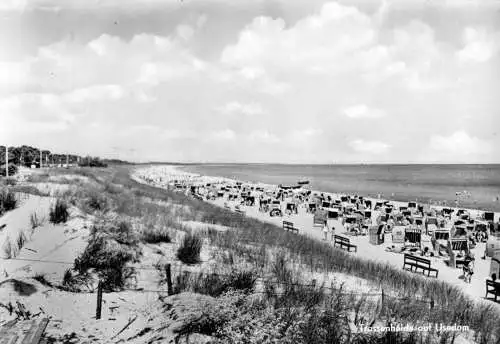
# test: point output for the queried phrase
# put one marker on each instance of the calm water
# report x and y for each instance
(397, 182)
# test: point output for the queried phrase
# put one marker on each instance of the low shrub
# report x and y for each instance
(214, 284)
(115, 228)
(8, 250)
(59, 212)
(67, 278)
(108, 258)
(189, 251)
(156, 236)
(8, 200)
(21, 240)
(35, 220)
(40, 277)
(96, 201)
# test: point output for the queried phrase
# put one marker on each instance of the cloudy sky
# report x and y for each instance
(294, 81)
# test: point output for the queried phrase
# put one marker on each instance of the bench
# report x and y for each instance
(492, 287)
(239, 210)
(416, 263)
(288, 226)
(319, 222)
(344, 242)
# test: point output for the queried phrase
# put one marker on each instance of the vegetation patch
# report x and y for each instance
(59, 212)
(8, 200)
(190, 248)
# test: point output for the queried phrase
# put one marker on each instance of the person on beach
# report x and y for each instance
(325, 231)
(468, 267)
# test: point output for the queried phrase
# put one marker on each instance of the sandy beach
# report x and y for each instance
(163, 175)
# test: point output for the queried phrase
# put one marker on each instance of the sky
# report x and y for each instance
(284, 81)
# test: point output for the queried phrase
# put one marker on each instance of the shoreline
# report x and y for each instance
(366, 250)
(397, 201)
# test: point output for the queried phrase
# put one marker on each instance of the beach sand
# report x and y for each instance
(304, 221)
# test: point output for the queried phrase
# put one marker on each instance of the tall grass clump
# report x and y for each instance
(153, 235)
(215, 284)
(59, 212)
(112, 245)
(8, 200)
(21, 240)
(96, 201)
(35, 220)
(189, 251)
(8, 250)
(108, 259)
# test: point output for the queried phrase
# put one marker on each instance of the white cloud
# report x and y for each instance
(262, 136)
(479, 46)
(250, 109)
(372, 147)
(13, 5)
(363, 111)
(459, 145)
(223, 135)
(306, 134)
(95, 93)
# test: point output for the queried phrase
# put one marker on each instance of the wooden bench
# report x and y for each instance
(288, 226)
(344, 242)
(319, 221)
(239, 210)
(492, 287)
(416, 263)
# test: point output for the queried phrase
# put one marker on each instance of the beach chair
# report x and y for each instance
(376, 234)
(492, 287)
(413, 236)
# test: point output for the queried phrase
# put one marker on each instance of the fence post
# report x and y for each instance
(382, 301)
(432, 303)
(169, 279)
(99, 301)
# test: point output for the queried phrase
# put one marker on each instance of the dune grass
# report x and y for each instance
(190, 248)
(8, 200)
(59, 212)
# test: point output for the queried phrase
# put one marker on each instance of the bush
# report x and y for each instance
(155, 236)
(10, 182)
(12, 170)
(67, 278)
(214, 284)
(35, 220)
(109, 258)
(115, 228)
(8, 200)
(59, 213)
(96, 201)
(189, 251)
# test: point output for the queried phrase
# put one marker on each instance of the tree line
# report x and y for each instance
(28, 156)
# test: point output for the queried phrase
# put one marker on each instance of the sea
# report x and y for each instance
(467, 186)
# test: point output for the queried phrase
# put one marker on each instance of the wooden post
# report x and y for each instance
(382, 301)
(169, 279)
(41, 158)
(6, 161)
(99, 301)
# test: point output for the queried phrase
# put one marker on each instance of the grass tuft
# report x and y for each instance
(156, 236)
(8, 200)
(189, 251)
(59, 212)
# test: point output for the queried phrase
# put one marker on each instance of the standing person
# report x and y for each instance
(325, 231)
(468, 267)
